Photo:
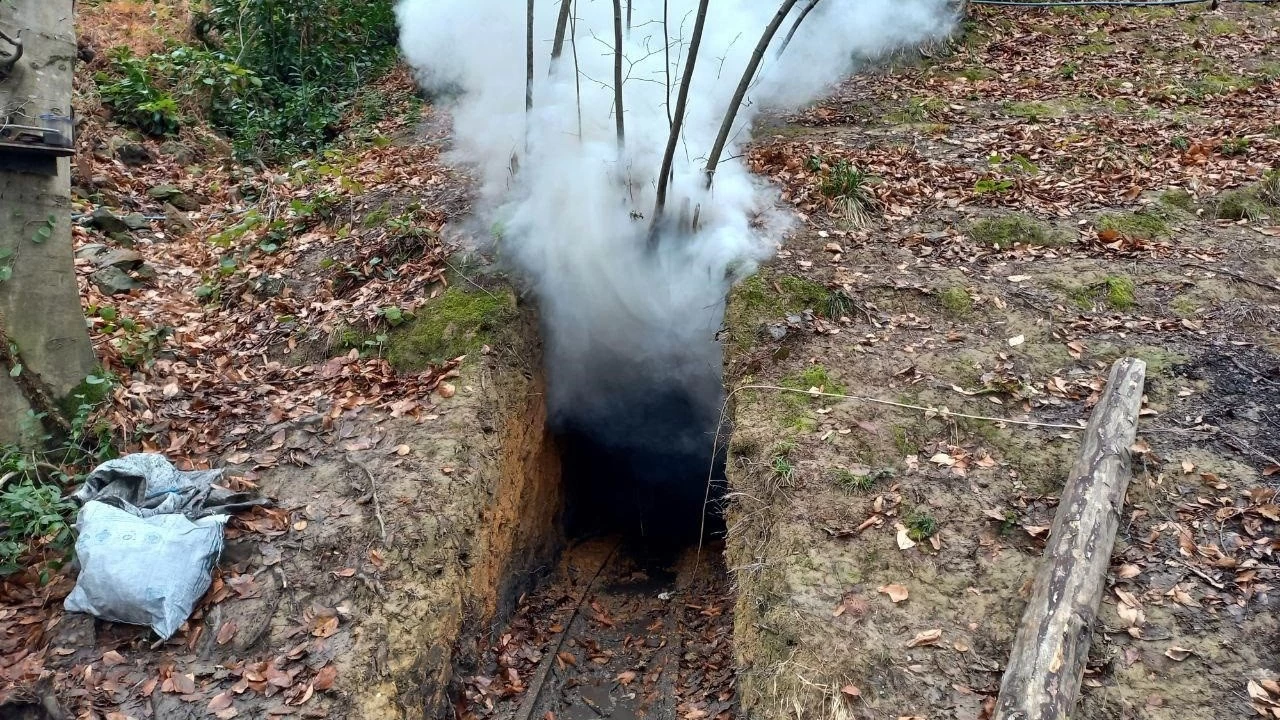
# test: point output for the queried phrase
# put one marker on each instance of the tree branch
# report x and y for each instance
(748, 74)
(668, 156)
(796, 26)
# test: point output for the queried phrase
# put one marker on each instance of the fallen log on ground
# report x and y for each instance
(1046, 665)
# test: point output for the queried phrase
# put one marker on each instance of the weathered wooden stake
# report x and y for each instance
(1047, 662)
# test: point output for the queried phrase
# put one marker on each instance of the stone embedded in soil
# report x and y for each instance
(131, 153)
(135, 221)
(174, 196)
(112, 280)
(107, 221)
(181, 154)
(122, 258)
(176, 221)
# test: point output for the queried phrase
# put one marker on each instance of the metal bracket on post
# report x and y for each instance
(9, 58)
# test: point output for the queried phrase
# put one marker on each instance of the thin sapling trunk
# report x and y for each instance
(617, 69)
(713, 159)
(796, 26)
(562, 22)
(673, 138)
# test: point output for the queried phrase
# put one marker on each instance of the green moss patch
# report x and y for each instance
(1115, 291)
(956, 301)
(1143, 224)
(1017, 229)
(756, 301)
(456, 323)
(1253, 203)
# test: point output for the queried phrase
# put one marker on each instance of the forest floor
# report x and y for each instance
(1056, 190)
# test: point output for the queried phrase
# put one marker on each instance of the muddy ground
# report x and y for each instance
(1056, 190)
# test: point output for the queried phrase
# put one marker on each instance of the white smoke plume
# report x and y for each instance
(574, 209)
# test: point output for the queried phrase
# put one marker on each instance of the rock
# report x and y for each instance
(145, 272)
(176, 222)
(174, 196)
(91, 250)
(123, 239)
(122, 258)
(107, 221)
(136, 221)
(132, 153)
(112, 280)
(102, 182)
(181, 154)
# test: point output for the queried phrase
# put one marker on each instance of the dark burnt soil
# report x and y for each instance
(611, 635)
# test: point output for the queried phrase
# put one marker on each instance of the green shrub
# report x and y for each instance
(31, 511)
(159, 93)
(311, 54)
(277, 82)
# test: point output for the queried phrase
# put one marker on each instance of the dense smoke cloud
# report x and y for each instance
(620, 313)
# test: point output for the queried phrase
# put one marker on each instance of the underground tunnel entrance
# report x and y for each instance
(635, 618)
(646, 467)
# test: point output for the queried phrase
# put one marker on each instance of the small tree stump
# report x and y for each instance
(1047, 662)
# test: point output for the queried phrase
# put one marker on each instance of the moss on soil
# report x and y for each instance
(1253, 202)
(956, 301)
(1005, 231)
(1178, 199)
(456, 323)
(755, 301)
(1143, 224)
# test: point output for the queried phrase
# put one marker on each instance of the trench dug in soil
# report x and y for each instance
(610, 594)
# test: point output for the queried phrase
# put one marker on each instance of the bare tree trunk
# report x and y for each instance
(796, 26)
(1047, 662)
(713, 159)
(628, 17)
(577, 73)
(528, 80)
(666, 55)
(617, 70)
(668, 156)
(562, 22)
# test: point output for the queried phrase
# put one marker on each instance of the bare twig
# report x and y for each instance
(562, 22)
(1202, 574)
(617, 70)
(668, 156)
(796, 26)
(373, 490)
(748, 75)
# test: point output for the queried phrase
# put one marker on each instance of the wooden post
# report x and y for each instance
(40, 311)
(1047, 662)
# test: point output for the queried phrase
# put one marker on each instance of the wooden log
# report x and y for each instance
(1046, 665)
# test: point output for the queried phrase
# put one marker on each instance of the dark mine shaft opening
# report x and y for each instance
(645, 467)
